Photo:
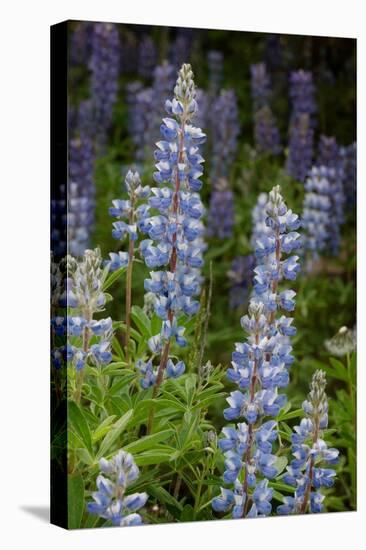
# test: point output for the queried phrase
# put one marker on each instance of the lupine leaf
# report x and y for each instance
(113, 434)
(141, 320)
(148, 441)
(113, 277)
(80, 425)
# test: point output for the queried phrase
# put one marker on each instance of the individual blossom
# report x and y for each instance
(174, 228)
(110, 501)
(260, 369)
(104, 67)
(342, 343)
(266, 133)
(306, 472)
(221, 213)
(240, 276)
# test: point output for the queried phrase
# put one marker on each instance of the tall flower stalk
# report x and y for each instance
(260, 367)
(176, 233)
(310, 451)
(134, 214)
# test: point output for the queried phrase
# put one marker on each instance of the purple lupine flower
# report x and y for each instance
(147, 109)
(240, 276)
(317, 208)
(302, 123)
(147, 57)
(348, 160)
(306, 472)
(329, 156)
(266, 133)
(260, 368)
(180, 50)
(302, 94)
(215, 60)
(81, 43)
(104, 67)
(328, 152)
(81, 195)
(221, 213)
(225, 131)
(110, 500)
(300, 148)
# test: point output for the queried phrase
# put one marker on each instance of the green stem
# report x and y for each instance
(129, 282)
(86, 339)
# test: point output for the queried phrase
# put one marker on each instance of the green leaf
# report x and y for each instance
(115, 431)
(80, 425)
(153, 456)
(75, 500)
(292, 414)
(148, 441)
(163, 496)
(141, 320)
(113, 277)
(280, 464)
(338, 370)
(103, 428)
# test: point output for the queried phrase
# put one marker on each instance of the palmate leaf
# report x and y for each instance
(148, 441)
(80, 425)
(141, 320)
(113, 434)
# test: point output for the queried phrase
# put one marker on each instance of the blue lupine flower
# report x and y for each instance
(81, 194)
(225, 131)
(147, 56)
(260, 366)
(221, 220)
(266, 133)
(174, 371)
(301, 132)
(348, 161)
(215, 60)
(329, 157)
(147, 109)
(110, 501)
(84, 294)
(104, 67)
(176, 231)
(310, 450)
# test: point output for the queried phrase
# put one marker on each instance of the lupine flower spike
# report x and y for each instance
(260, 368)
(134, 214)
(84, 295)
(175, 235)
(110, 500)
(306, 472)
